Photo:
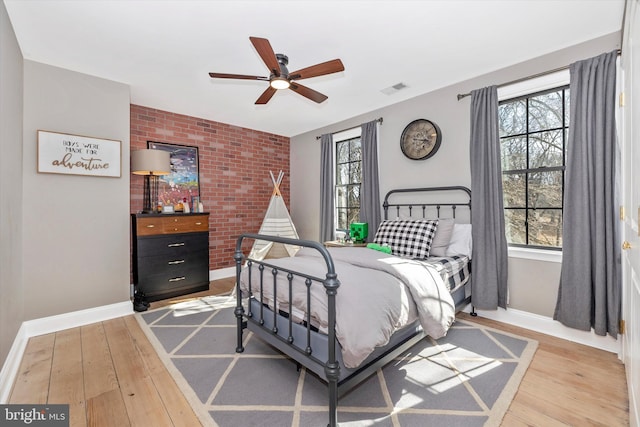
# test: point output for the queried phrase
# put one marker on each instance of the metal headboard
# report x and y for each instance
(449, 191)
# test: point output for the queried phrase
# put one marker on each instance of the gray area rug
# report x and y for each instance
(467, 378)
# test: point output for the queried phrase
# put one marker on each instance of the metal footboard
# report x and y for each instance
(301, 354)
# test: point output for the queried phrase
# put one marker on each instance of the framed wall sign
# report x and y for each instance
(183, 182)
(78, 155)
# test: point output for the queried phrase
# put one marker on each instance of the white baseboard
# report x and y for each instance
(46, 325)
(634, 416)
(12, 364)
(222, 273)
(547, 325)
(74, 319)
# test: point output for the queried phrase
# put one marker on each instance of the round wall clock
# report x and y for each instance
(420, 139)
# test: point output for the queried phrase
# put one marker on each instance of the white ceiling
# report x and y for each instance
(164, 49)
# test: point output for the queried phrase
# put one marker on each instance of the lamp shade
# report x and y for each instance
(150, 162)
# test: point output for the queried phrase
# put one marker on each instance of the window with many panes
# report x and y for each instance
(533, 139)
(348, 179)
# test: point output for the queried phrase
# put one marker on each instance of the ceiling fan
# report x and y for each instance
(280, 77)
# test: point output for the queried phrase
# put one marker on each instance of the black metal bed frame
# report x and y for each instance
(438, 205)
(303, 354)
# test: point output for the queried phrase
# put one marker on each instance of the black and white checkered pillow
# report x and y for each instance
(411, 238)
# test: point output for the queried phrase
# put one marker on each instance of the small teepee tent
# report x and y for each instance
(277, 222)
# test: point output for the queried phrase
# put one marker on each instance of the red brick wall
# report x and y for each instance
(235, 186)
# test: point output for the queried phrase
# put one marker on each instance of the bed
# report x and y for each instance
(344, 312)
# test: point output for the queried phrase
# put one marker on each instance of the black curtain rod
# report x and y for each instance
(344, 130)
(524, 79)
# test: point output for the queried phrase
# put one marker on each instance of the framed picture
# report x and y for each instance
(183, 182)
(70, 154)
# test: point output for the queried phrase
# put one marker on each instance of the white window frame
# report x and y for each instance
(549, 81)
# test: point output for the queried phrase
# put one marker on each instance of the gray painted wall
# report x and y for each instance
(75, 245)
(11, 291)
(532, 284)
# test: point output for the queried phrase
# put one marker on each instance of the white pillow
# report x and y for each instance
(442, 238)
(460, 243)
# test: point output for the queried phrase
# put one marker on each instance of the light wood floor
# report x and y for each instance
(111, 376)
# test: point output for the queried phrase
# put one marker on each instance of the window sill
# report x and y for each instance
(535, 254)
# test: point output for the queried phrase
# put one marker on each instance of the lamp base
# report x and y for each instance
(150, 194)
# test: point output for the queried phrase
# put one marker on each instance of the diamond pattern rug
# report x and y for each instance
(467, 378)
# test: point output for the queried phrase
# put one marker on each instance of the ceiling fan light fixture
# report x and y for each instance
(279, 83)
(280, 77)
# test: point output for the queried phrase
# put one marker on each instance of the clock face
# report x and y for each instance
(420, 139)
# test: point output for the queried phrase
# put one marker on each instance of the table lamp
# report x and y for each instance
(150, 163)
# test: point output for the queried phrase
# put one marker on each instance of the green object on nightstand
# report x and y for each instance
(359, 231)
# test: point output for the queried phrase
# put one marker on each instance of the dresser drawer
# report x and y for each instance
(172, 245)
(182, 276)
(162, 284)
(171, 266)
(173, 224)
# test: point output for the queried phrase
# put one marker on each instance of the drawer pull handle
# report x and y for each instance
(150, 226)
(177, 279)
(179, 261)
(174, 245)
(198, 223)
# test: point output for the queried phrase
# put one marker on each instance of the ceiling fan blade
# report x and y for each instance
(266, 95)
(307, 92)
(328, 67)
(237, 76)
(266, 53)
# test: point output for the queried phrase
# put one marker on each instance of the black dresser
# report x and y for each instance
(170, 254)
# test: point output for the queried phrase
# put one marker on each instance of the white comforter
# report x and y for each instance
(378, 295)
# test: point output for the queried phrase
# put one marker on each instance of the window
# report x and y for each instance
(348, 179)
(533, 136)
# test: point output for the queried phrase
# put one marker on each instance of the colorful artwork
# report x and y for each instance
(183, 181)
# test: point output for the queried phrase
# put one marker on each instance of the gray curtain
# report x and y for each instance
(327, 199)
(590, 280)
(370, 188)
(489, 256)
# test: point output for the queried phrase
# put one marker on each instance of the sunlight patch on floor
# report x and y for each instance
(201, 305)
(440, 359)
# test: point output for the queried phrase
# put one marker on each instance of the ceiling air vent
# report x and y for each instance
(393, 89)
